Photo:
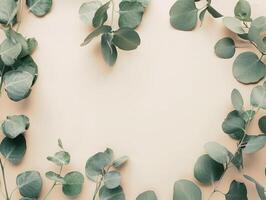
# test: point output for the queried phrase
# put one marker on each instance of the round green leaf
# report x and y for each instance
(114, 194)
(112, 179)
(87, 10)
(234, 125)
(217, 152)
(184, 15)
(186, 190)
(233, 25)
(262, 124)
(256, 33)
(18, 84)
(254, 144)
(8, 10)
(96, 164)
(9, 51)
(130, 14)
(60, 158)
(237, 191)
(225, 48)
(120, 162)
(15, 125)
(243, 10)
(54, 177)
(73, 183)
(207, 170)
(39, 7)
(126, 39)
(109, 51)
(100, 15)
(258, 97)
(29, 184)
(237, 100)
(148, 195)
(13, 149)
(248, 68)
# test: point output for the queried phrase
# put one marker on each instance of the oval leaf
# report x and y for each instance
(114, 194)
(217, 152)
(225, 48)
(254, 144)
(39, 7)
(109, 51)
(73, 183)
(186, 190)
(112, 179)
(237, 191)
(262, 124)
(148, 195)
(126, 39)
(87, 10)
(233, 25)
(237, 100)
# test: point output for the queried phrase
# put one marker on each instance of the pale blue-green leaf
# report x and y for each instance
(73, 183)
(39, 7)
(257, 33)
(54, 177)
(254, 144)
(95, 33)
(186, 190)
(217, 152)
(9, 51)
(243, 10)
(233, 24)
(120, 162)
(8, 10)
(112, 179)
(148, 195)
(60, 158)
(126, 39)
(100, 15)
(114, 194)
(258, 97)
(144, 3)
(237, 100)
(87, 10)
(225, 48)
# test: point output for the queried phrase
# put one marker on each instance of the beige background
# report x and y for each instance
(159, 104)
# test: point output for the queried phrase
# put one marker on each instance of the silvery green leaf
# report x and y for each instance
(39, 7)
(144, 3)
(233, 24)
(109, 51)
(254, 144)
(18, 84)
(243, 10)
(248, 68)
(130, 14)
(217, 152)
(29, 184)
(96, 164)
(148, 195)
(13, 149)
(9, 51)
(186, 190)
(260, 189)
(100, 15)
(60, 158)
(112, 179)
(8, 10)
(54, 177)
(207, 170)
(95, 33)
(258, 97)
(114, 194)
(15, 125)
(126, 39)
(237, 191)
(73, 183)
(234, 125)
(237, 100)
(256, 33)
(225, 48)
(32, 45)
(184, 15)
(237, 160)
(247, 115)
(120, 162)
(262, 124)
(88, 9)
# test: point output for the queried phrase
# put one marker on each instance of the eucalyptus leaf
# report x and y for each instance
(39, 7)
(18, 84)
(247, 115)
(13, 149)
(183, 15)
(148, 195)
(217, 152)
(254, 144)
(207, 170)
(260, 189)
(9, 51)
(237, 100)
(15, 125)
(202, 14)
(233, 25)
(60, 158)
(262, 124)
(109, 51)
(186, 190)
(29, 184)
(88, 9)
(130, 14)
(54, 177)
(214, 12)
(225, 48)
(126, 39)
(114, 194)
(258, 97)
(243, 10)
(248, 68)
(237, 160)
(256, 33)
(95, 33)
(100, 15)
(237, 191)
(8, 10)
(120, 162)
(112, 179)
(144, 3)
(73, 183)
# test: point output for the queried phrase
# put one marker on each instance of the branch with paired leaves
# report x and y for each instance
(103, 170)
(18, 71)
(125, 37)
